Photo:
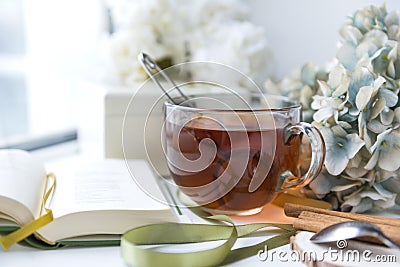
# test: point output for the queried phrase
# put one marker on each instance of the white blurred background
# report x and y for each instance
(52, 62)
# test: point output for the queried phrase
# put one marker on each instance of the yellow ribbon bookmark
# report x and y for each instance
(23, 232)
(30, 228)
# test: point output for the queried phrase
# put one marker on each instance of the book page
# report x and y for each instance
(22, 178)
(104, 185)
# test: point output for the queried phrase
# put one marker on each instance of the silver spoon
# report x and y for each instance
(352, 229)
(151, 68)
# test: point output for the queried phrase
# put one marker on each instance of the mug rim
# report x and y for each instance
(294, 104)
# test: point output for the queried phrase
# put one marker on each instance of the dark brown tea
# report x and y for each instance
(254, 149)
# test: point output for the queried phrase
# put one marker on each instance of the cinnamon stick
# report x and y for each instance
(294, 210)
(315, 222)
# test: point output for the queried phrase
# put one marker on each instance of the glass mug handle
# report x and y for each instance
(288, 179)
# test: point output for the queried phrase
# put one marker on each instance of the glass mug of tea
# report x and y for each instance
(232, 153)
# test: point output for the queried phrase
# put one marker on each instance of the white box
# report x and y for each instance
(126, 115)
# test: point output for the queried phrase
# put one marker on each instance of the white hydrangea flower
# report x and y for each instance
(125, 48)
(239, 45)
(187, 30)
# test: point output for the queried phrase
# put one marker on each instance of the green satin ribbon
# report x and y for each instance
(175, 233)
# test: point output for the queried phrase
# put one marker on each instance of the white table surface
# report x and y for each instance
(68, 154)
(94, 256)
(104, 256)
(57, 157)
(110, 256)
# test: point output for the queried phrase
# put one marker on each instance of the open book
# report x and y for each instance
(94, 204)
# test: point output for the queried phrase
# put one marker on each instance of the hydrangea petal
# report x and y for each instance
(324, 87)
(323, 183)
(393, 51)
(354, 144)
(317, 102)
(338, 131)
(372, 195)
(372, 161)
(342, 88)
(348, 117)
(392, 19)
(364, 96)
(351, 34)
(308, 73)
(336, 75)
(344, 124)
(376, 126)
(364, 205)
(306, 94)
(377, 36)
(328, 136)
(391, 70)
(397, 114)
(353, 200)
(394, 137)
(339, 188)
(356, 172)
(360, 77)
(394, 32)
(393, 184)
(323, 114)
(378, 82)
(388, 158)
(377, 108)
(387, 116)
(382, 191)
(347, 56)
(390, 97)
(385, 203)
(355, 161)
(380, 138)
(366, 49)
(336, 160)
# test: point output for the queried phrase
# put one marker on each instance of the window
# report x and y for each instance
(47, 61)
(13, 89)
